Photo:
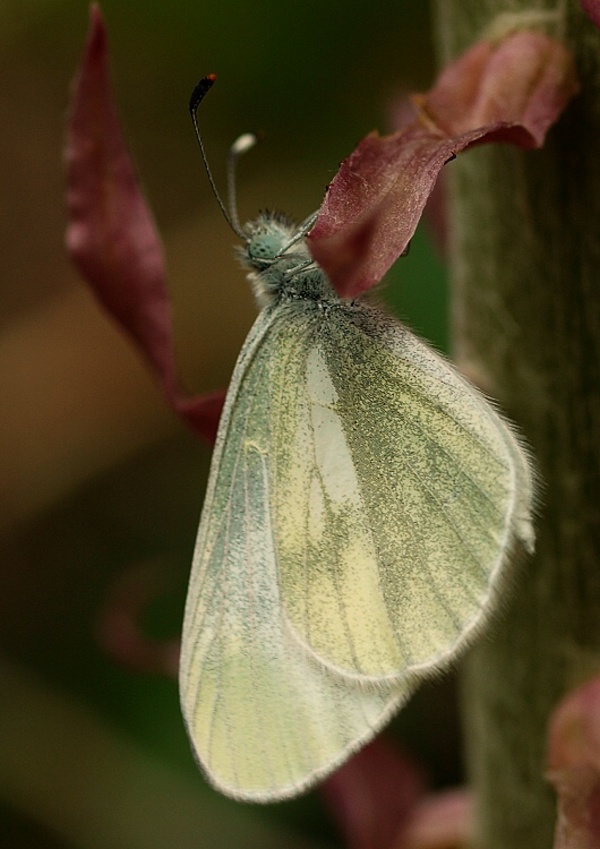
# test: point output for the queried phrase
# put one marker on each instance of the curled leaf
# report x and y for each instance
(120, 631)
(573, 767)
(111, 235)
(511, 91)
(441, 821)
(592, 10)
(373, 794)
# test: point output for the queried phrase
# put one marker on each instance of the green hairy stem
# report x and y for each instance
(525, 251)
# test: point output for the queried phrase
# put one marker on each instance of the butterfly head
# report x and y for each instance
(270, 239)
(275, 250)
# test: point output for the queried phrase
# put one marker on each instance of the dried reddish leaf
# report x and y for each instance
(202, 412)
(592, 9)
(512, 92)
(404, 112)
(111, 234)
(435, 217)
(441, 821)
(120, 630)
(573, 766)
(371, 796)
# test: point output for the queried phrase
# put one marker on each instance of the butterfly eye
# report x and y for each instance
(265, 247)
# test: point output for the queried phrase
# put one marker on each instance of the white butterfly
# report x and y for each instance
(362, 510)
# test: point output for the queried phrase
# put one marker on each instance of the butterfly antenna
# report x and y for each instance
(240, 146)
(198, 95)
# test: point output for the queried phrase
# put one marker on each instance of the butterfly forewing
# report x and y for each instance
(412, 493)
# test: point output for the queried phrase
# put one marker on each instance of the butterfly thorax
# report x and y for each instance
(281, 266)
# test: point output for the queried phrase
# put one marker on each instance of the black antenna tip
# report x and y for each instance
(199, 93)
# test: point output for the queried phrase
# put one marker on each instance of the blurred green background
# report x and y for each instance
(102, 485)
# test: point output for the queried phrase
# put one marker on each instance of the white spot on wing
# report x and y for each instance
(333, 458)
(319, 382)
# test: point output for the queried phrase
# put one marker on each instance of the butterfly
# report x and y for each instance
(362, 511)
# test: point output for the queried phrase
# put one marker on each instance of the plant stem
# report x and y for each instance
(526, 316)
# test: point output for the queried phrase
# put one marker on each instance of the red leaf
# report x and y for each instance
(512, 92)
(202, 412)
(111, 234)
(372, 795)
(573, 766)
(592, 9)
(120, 630)
(441, 821)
